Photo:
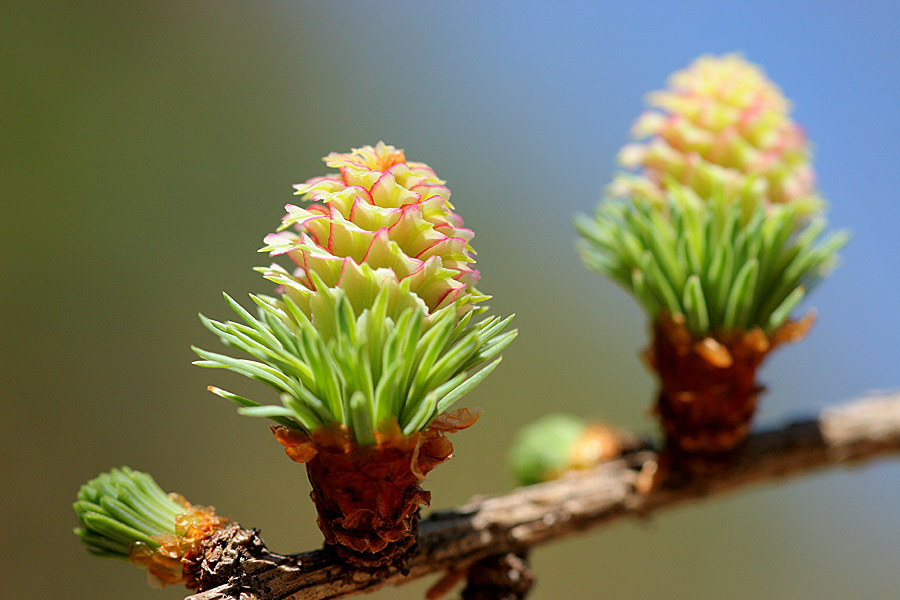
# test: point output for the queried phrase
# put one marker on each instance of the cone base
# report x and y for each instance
(368, 500)
(395, 554)
(368, 497)
(708, 389)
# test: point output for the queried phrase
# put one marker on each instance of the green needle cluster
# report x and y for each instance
(365, 371)
(710, 260)
(121, 507)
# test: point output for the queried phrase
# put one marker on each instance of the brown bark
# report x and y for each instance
(221, 556)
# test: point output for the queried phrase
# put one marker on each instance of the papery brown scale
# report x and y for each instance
(168, 563)
(456, 420)
(297, 445)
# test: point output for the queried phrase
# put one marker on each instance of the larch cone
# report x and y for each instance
(708, 388)
(721, 124)
(368, 497)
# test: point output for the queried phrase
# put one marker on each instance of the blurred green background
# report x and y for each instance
(147, 148)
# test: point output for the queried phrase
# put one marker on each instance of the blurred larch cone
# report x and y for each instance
(721, 124)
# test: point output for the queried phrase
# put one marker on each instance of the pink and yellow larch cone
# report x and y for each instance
(371, 341)
(717, 234)
(721, 126)
(380, 222)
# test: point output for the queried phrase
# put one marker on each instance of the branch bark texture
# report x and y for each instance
(451, 540)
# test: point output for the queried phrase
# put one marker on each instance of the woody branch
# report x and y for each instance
(451, 540)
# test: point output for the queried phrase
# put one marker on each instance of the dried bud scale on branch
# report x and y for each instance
(369, 343)
(719, 263)
(124, 514)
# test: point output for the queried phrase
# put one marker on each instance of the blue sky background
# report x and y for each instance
(148, 147)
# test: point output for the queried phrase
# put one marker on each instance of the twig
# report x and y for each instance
(851, 433)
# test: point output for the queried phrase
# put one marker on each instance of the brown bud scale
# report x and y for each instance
(169, 563)
(368, 496)
(708, 388)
